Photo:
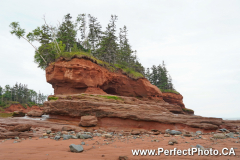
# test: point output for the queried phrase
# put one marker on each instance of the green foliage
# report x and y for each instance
(5, 115)
(169, 91)
(16, 30)
(112, 97)
(67, 32)
(129, 71)
(104, 47)
(52, 98)
(159, 77)
(20, 94)
(187, 110)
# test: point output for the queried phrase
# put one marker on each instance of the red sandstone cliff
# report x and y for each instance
(81, 75)
(173, 98)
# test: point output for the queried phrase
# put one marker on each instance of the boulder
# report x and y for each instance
(76, 148)
(20, 128)
(88, 121)
(67, 128)
(18, 114)
(35, 113)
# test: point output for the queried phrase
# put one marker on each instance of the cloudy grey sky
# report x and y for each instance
(198, 40)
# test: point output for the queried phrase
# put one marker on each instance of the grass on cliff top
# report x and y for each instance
(169, 91)
(53, 98)
(5, 115)
(128, 71)
(111, 97)
(187, 110)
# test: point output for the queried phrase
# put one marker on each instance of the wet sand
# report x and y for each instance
(110, 149)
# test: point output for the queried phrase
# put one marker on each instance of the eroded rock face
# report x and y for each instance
(77, 75)
(173, 98)
(88, 121)
(127, 108)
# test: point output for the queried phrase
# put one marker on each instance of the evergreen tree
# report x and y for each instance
(108, 46)
(67, 33)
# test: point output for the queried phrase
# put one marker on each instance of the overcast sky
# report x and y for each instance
(198, 40)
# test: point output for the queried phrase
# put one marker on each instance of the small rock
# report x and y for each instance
(166, 135)
(223, 130)
(45, 137)
(187, 135)
(198, 132)
(57, 137)
(219, 136)
(135, 132)
(172, 141)
(66, 137)
(107, 135)
(173, 132)
(76, 148)
(83, 143)
(199, 146)
(49, 131)
(230, 135)
(74, 137)
(123, 158)
(167, 131)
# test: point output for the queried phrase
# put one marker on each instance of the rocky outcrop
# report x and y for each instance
(173, 98)
(20, 108)
(35, 113)
(126, 108)
(20, 128)
(88, 121)
(78, 75)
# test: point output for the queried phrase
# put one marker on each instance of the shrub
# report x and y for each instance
(53, 98)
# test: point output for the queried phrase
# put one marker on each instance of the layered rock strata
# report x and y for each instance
(127, 108)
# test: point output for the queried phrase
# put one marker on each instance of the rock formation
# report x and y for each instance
(79, 75)
(173, 98)
(127, 108)
(82, 87)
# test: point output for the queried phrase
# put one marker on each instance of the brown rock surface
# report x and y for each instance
(127, 108)
(35, 113)
(20, 128)
(77, 75)
(173, 98)
(19, 107)
(88, 121)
